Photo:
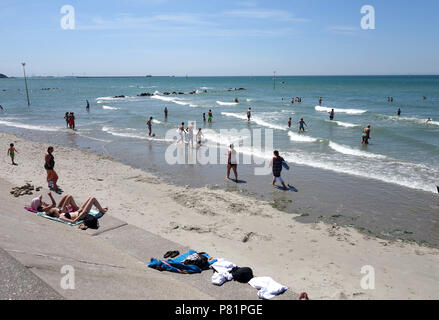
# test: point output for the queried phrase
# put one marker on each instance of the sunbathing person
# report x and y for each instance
(39, 205)
(79, 213)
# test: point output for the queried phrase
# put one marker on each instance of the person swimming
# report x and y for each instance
(236, 100)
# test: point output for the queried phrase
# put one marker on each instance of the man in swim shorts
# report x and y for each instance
(210, 116)
(149, 124)
(331, 115)
(301, 125)
(276, 164)
(249, 113)
(366, 135)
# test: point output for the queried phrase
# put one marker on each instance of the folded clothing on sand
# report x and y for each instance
(268, 288)
(176, 265)
(222, 270)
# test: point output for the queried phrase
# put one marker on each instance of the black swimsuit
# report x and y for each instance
(51, 163)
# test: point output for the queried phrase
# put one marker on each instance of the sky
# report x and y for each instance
(219, 38)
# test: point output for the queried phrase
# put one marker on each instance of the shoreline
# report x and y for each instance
(375, 208)
(324, 260)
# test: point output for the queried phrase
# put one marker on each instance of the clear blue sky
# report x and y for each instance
(206, 37)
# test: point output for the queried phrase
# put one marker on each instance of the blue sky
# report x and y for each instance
(200, 38)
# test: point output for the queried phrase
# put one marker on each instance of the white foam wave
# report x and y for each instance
(156, 121)
(29, 127)
(354, 152)
(234, 115)
(155, 96)
(221, 103)
(348, 111)
(412, 119)
(344, 124)
(109, 108)
(296, 137)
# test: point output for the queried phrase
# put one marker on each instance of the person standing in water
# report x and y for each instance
(232, 162)
(11, 153)
(199, 136)
(72, 120)
(249, 114)
(210, 116)
(398, 112)
(67, 118)
(331, 114)
(166, 113)
(320, 101)
(204, 117)
(149, 124)
(366, 135)
(289, 123)
(181, 132)
(276, 164)
(190, 134)
(301, 125)
(87, 108)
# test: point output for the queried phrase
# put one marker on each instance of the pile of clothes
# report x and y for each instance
(224, 271)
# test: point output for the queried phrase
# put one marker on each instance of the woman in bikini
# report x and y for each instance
(39, 205)
(79, 213)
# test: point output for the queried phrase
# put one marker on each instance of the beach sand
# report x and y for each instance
(325, 260)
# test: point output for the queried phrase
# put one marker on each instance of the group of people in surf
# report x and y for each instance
(186, 135)
(70, 120)
(297, 99)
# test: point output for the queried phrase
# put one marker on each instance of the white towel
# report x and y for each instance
(222, 271)
(268, 288)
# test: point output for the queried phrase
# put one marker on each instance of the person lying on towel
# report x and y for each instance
(77, 213)
(39, 205)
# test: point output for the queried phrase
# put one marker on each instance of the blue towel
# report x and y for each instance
(176, 265)
(92, 212)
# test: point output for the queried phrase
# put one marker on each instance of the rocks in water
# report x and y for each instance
(122, 96)
(174, 92)
(236, 89)
(181, 93)
(24, 190)
(166, 93)
(3, 76)
(145, 94)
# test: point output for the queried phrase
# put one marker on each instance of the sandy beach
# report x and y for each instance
(325, 260)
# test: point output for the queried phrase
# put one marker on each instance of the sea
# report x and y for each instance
(403, 150)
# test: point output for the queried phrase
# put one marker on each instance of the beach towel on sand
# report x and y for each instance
(176, 265)
(96, 214)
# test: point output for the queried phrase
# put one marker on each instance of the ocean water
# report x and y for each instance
(403, 150)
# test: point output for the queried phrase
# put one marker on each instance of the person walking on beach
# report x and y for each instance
(87, 108)
(301, 123)
(149, 124)
(199, 136)
(276, 164)
(190, 134)
(166, 113)
(366, 135)
(249, 114)
(210, 116)
(232, 162)
(181, 132)
(67, 118)
(289, 123)
(398, 112)
(49, 165)
(331, 114)
(11, 153)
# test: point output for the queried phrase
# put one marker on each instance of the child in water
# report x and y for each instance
(11, 153)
